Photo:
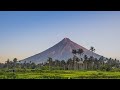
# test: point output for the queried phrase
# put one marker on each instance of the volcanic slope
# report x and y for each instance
(60, 51)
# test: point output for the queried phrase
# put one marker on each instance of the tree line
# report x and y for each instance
(75, 63)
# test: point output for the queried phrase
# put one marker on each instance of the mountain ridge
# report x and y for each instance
(60, 51)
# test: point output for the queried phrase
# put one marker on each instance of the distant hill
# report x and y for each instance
(60, 51)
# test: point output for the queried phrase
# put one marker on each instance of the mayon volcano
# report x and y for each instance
(60, 51)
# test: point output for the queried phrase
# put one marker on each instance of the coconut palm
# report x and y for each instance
(49, 61)
(91, 62)
(14, 61)
(74, 52)
(69, 63)
(92, 49)
(8, 63)
(77, 60)
(85, 61)
(74, 57)
(74, 61)
(80, 52)
(63, 64)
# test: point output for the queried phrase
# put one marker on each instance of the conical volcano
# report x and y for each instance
(60, 51)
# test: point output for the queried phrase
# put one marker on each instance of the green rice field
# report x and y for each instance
(58, 74)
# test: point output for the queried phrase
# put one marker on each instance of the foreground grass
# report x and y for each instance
(58, 74)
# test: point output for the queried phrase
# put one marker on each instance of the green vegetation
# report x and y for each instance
(58, 74)
(73, 68)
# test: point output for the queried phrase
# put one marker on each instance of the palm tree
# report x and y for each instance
(63, 64)
(30, 62)
(74, 62)
(24, 65)
(91, 62)
(57, 63)
(101, 60)
(110, 61)
(74, 52)
(80, 52)
(14, 61)
(77, 61)
(69, 63)
(8, 63)
(74, 57)
(92, 49)
(96, 63)
(49, 61)
(85, 61)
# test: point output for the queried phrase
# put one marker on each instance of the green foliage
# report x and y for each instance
(75, 68)
(59, 74)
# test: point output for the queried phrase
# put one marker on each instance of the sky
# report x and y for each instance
(26, 33)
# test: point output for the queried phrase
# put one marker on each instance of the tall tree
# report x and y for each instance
(69, 64)
(74, 57)
(74, 61)
(57, 64)
(92, 58)
(90, 62)
(63, 64)
(74, 52)
(15, 60)
(85, 61)
(8, 63)
(50, 62)
(92, 49)
(80, 52)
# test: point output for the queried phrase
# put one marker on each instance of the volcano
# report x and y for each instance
(60, 51)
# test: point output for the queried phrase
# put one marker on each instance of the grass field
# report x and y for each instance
(58, 74)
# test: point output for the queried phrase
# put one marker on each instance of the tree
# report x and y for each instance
(30, 62)
(96, 64)
(50, 62)
(24, 65)
(91, 57)
(15, 60)
(74, 52)
(85, 61)
(63, 64)
(8, 63)
(91, 62)
(92, 49)
(57, 64)
(101, 59)
(32, 65)
(80, 52)
(74, 57)
(85, 57)
(77, 61)
(69, 63)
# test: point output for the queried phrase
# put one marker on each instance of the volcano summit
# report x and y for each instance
(60, 51)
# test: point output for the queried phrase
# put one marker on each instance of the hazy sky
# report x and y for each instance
(25, 33)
